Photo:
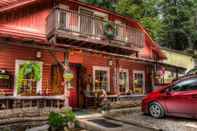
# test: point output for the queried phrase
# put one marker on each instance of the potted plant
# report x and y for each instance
(70, 118)
(56, 121)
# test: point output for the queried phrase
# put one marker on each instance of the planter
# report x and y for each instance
(71, 125)
(56, 128)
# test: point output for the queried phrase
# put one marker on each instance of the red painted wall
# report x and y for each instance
(29, 20)
(91, 60)
(9, 54)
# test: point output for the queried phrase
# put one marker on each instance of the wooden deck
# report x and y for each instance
(74, 28)
(10, 102)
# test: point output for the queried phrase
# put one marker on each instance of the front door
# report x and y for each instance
(73, 98)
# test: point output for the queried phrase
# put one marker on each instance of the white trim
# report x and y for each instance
(140, 72)
(79, 21)
(63, 6)
(106, 16)
(17, 64)
(102, 68)
(127, 72)
(94, 12)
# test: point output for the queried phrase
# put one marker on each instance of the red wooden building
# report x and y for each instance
(37, 35)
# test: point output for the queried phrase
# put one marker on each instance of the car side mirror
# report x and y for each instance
(168, 91)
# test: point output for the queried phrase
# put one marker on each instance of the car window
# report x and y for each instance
(192, 71)
(185, 85)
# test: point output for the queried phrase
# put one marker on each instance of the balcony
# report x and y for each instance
(80, 30)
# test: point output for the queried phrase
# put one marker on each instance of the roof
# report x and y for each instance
(177, 51)
(6, 5)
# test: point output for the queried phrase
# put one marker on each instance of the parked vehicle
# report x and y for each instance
(176, 99)
(191, 71)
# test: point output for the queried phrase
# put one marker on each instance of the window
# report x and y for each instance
(138, 82)
(123, 80)
(86, 21)
(186, 85)
(28, 76)
(121, 31)
(101, 77)
(91, 22)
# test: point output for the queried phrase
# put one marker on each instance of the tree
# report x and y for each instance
(145, 11)
(179, 18)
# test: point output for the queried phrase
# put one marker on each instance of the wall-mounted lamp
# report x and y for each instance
(110, 62)
(38, 54)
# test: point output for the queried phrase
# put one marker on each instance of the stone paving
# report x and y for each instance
(91, 126)
(165, 124)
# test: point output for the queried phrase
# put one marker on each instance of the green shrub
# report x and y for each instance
(56, 120)
(69, 115)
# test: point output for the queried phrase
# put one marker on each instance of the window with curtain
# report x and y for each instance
(123, 81)
(101, 78)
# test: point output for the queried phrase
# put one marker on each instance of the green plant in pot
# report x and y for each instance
(28, 70)
(70, 118)
(56, 121)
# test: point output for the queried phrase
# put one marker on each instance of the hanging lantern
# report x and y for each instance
(68, 76)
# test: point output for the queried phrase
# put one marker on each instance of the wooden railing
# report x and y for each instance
(92, 26)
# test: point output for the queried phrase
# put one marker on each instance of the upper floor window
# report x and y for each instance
(91, 22)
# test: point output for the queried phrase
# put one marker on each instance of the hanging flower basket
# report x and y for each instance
(109, 30)
(68, 76)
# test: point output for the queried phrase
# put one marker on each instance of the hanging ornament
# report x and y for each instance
(68, 76)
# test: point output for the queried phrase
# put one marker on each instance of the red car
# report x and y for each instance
(176, 99)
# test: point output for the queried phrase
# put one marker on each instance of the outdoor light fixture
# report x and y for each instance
(110, 62)
(38, 54)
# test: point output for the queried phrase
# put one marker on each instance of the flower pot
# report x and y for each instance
(56, 129)
(71, 125)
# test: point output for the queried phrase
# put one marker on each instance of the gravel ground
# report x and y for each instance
(166, 124)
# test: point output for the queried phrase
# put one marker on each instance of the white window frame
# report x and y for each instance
(127, 72)
(17, 65)
(101, 68)
(106, 16)
(140, 72)
(118, 22)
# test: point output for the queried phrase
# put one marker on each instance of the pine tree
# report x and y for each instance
(179, 18)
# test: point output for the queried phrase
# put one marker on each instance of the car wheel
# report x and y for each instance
(156, 110)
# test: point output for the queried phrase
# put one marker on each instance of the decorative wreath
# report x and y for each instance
(109, 30)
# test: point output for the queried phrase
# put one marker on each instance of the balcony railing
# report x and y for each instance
(92, 27)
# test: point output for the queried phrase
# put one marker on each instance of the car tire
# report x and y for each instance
(156, 110)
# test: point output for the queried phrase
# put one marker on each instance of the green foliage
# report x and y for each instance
(180, 30)
(170, 22)
(56, 120)
(109, 30)
(146, 12)
(26, 69)
(69, 116)
(102, 3)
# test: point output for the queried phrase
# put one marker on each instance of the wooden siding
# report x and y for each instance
(30, 19)
(9, 55)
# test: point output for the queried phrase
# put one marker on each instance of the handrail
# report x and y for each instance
(92, 26)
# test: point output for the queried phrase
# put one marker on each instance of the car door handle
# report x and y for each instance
(194, 96)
